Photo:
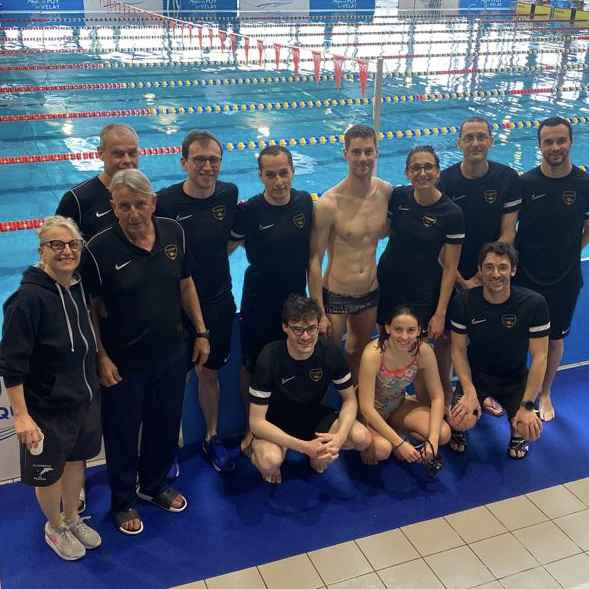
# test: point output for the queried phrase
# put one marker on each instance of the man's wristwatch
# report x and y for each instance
(206, 334)
(529, 405)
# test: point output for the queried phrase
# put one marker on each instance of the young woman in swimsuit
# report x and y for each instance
(389, 365)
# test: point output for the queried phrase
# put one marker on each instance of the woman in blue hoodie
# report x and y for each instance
(48, 363)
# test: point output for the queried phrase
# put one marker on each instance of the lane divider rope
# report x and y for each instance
(234, 62)
(258, 80)
(148, 49)
(292, 141)
(281, 105)
(181, 36)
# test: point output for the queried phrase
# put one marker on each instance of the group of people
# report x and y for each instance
(133, 292)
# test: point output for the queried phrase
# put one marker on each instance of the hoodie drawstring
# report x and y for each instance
(67, 318)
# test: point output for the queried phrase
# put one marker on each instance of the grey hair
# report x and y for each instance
(59, 221)
(134, 180)
(116, 128)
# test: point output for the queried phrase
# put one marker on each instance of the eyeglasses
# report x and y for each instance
(57, 245)
(427, 168)
(200, 160)
(299, 331)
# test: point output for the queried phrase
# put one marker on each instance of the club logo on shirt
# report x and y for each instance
(218, 212)
(299, 221)
(171, 250)
(429, 221)
(569, 197)
(490, 197)
(316, 374)
(508, 321)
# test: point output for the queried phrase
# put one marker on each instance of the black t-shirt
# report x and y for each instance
(292, 387)
(277, 242)
(140, 290)
(499, 334)
(483, 201)
(88, 204)
(551, 225)
(418, 234)
(207, 224)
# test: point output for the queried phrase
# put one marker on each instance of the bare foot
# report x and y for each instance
(133, 525)
(492, 407)
(547, 412)
(319, 466)
(274, 477)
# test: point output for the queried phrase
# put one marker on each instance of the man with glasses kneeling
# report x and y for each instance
(287, 391)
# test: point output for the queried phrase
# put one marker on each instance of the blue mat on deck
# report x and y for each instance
(236, 521)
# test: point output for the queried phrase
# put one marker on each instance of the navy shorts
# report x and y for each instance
(218, 318)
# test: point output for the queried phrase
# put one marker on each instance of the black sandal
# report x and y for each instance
(165, 500)
(432, 465)
(123, 517)
(518, 444)
(458, 438)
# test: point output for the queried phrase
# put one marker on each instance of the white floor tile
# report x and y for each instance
(410, 575)
(581, 489)
(370, 581)
(459, 568)
(571, 572)
(476, 524)
(431, 536)
(538, 578)
(340, 562)
(387, 549)
(244, 579)
(517, 512)
(504, 555)
(576, 526)
(547, 542)
(296, 572)
(556, 501)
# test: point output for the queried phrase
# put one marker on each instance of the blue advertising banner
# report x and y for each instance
(487, 5)
(36, 5)
(354, 8)
(175, 8)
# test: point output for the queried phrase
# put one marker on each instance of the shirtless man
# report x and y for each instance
(349, 220)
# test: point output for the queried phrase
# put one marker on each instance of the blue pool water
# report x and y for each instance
(33, 190)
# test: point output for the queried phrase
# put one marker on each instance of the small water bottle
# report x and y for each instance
(38, 449)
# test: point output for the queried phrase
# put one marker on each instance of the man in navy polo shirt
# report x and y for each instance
(138, 276)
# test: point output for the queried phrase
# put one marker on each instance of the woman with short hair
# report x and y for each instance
(48, 364)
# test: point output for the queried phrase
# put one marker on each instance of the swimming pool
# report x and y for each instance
(543, 74)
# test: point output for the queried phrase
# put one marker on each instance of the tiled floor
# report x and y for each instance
(535, 541)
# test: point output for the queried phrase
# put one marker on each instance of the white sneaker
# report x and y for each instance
(86, 535)
(64, 543)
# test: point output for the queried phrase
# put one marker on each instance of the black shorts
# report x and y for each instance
(509, 392)
(561, 298)
(339, 304)
(70, 435)
(256, 330)
(305, 425)
(218, 318)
